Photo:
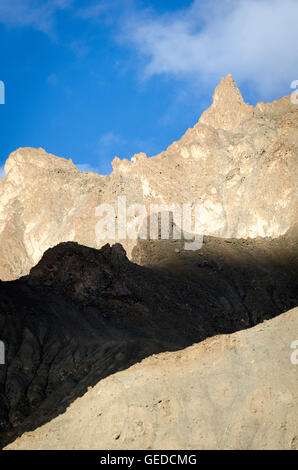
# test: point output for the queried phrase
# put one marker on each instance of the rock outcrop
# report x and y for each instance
(229, 392)
(238, 163)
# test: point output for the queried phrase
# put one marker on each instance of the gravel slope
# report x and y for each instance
(235, 391)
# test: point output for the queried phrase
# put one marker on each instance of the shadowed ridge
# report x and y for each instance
(68, 261)
(234, 391)
(83, 314)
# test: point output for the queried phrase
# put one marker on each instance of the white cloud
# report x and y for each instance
(33, 13)
(255, 40)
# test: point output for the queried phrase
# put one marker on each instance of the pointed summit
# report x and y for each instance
(228, 109)
(227, 92)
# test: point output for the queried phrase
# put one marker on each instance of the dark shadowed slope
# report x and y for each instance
(83, 314)
(235, 391)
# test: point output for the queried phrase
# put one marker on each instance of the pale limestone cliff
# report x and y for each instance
(236, 391)
(238, 163)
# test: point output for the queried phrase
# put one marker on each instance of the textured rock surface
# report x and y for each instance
(229, 392)
(83, 314)
(238, 162)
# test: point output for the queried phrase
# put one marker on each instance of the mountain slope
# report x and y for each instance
(83, 314)
(238, 163)
(229, 392)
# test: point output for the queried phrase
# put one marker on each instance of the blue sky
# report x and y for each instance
(89, 80)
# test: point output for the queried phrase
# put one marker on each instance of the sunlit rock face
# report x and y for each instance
(238, 163)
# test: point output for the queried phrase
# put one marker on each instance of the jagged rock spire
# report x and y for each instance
(228, 109)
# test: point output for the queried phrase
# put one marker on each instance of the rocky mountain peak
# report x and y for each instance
(227, 91)
(238, 164)
(228, 109)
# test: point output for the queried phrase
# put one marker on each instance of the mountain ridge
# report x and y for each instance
(238, 163)
(83, 314)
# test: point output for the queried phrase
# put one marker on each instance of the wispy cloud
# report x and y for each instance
(80, 48)
(255, 40)
(112, 144)
(93, 11)
(53, 79)
(86, 167)
(32, 13)
(110, 139)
